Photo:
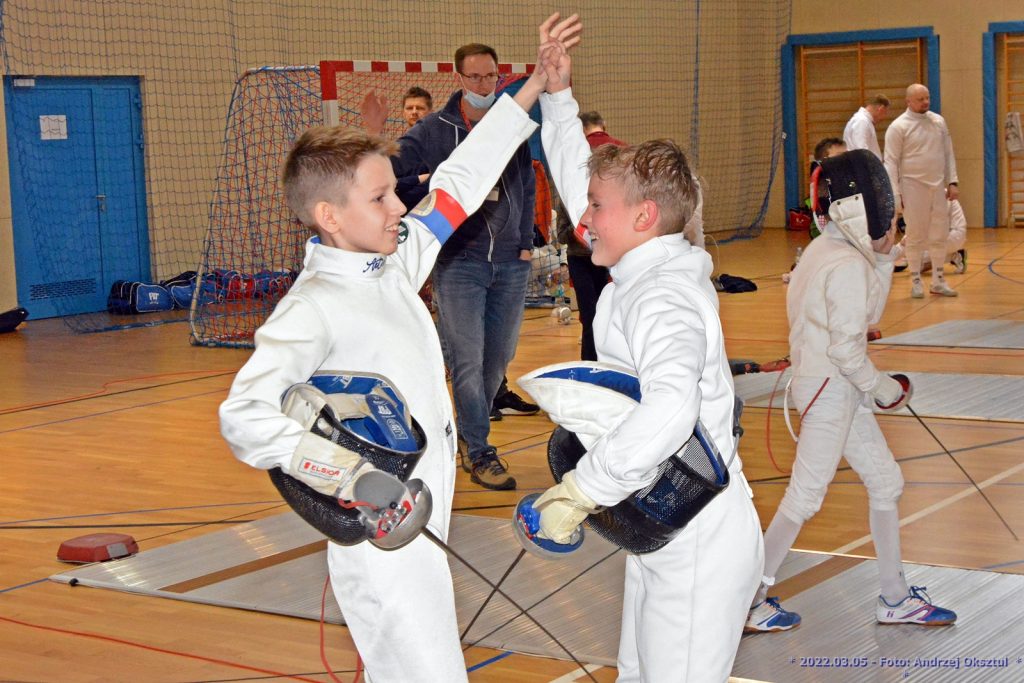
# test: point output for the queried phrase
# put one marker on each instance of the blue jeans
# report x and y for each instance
(480, 309)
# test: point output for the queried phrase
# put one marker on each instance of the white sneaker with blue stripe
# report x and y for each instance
(768, 615)
(916, 608)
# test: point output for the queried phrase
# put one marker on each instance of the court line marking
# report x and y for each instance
(920, 514)
(576, 673)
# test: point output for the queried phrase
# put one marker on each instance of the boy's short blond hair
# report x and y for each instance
(655, 170)
(321, 165)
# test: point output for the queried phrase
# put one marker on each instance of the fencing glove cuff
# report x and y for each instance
(892, 392)
(563, 507)
(327, 467)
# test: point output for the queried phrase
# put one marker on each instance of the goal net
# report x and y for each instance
(254, 248)
(211, 131)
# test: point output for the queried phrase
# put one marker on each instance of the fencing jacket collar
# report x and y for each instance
(324, 259)
(657, 250)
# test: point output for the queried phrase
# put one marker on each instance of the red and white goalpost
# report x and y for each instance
(343, 83)
(252, 239)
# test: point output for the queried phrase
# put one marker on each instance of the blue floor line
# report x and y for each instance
(487, 662)
(24, 585)
(135, 512)
(1003, 564)
(109, 412)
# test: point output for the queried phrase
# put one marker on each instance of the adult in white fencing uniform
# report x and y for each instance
(919, 160)
(860, 129)
(835, 292)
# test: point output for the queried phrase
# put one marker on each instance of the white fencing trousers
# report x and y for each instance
(926, 212)
(400, 609)
(839, 424)
(685, 605)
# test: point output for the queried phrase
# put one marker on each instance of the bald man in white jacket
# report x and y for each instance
(919, 160)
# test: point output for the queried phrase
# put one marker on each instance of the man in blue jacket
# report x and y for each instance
(481, 273)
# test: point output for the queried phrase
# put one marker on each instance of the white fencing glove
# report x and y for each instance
(563, 507)
(327, 467)
(892, 392)
(318, 462)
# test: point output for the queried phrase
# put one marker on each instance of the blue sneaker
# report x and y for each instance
(768, 615)
(916, 608)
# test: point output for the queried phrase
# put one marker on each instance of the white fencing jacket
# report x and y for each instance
(860, 133)
(918, 148)
(834, 293)
(659, 318)
(351, 311)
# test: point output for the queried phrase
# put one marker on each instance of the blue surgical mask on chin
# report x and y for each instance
(478, 101)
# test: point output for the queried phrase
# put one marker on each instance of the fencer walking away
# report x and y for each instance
(834, 293)
(860, 129)
(919, 160)
(354, 307)
(684, 604)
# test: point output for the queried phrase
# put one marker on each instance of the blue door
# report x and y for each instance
(77, 190)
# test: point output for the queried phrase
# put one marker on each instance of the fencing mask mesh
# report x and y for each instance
(860, 194)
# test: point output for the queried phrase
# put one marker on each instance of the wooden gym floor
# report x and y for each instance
(118, 432)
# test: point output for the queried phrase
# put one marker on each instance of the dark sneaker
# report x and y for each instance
(495, 414)
(491, 473)
(511, 403)
(959, 262)
(463, 448)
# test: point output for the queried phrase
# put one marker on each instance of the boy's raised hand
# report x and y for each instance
(556, 39)
(374, 112)
(567, 32)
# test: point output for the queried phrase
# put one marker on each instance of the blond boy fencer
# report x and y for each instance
(920, 162)
(835, 292)
(355, 307)
(685, 604)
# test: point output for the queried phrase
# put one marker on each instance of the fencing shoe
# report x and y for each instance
(768, 615)
(942, 289)
(959, 262)
(916, 289)
(491, 473)
(916, 608)
(511, 403)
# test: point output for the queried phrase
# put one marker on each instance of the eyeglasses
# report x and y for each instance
(476, 79)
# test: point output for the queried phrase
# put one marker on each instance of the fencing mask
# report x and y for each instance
(860, 199)
(587, 400)
(365, 415)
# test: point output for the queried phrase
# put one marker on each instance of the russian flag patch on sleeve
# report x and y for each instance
(582, 235)
(440, 213)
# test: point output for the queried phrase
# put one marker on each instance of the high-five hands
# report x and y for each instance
(556, 39)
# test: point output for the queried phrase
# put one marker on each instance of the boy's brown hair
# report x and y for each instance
(655, 170)
(322, 164)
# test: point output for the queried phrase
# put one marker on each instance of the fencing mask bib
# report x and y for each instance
(587, 400)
